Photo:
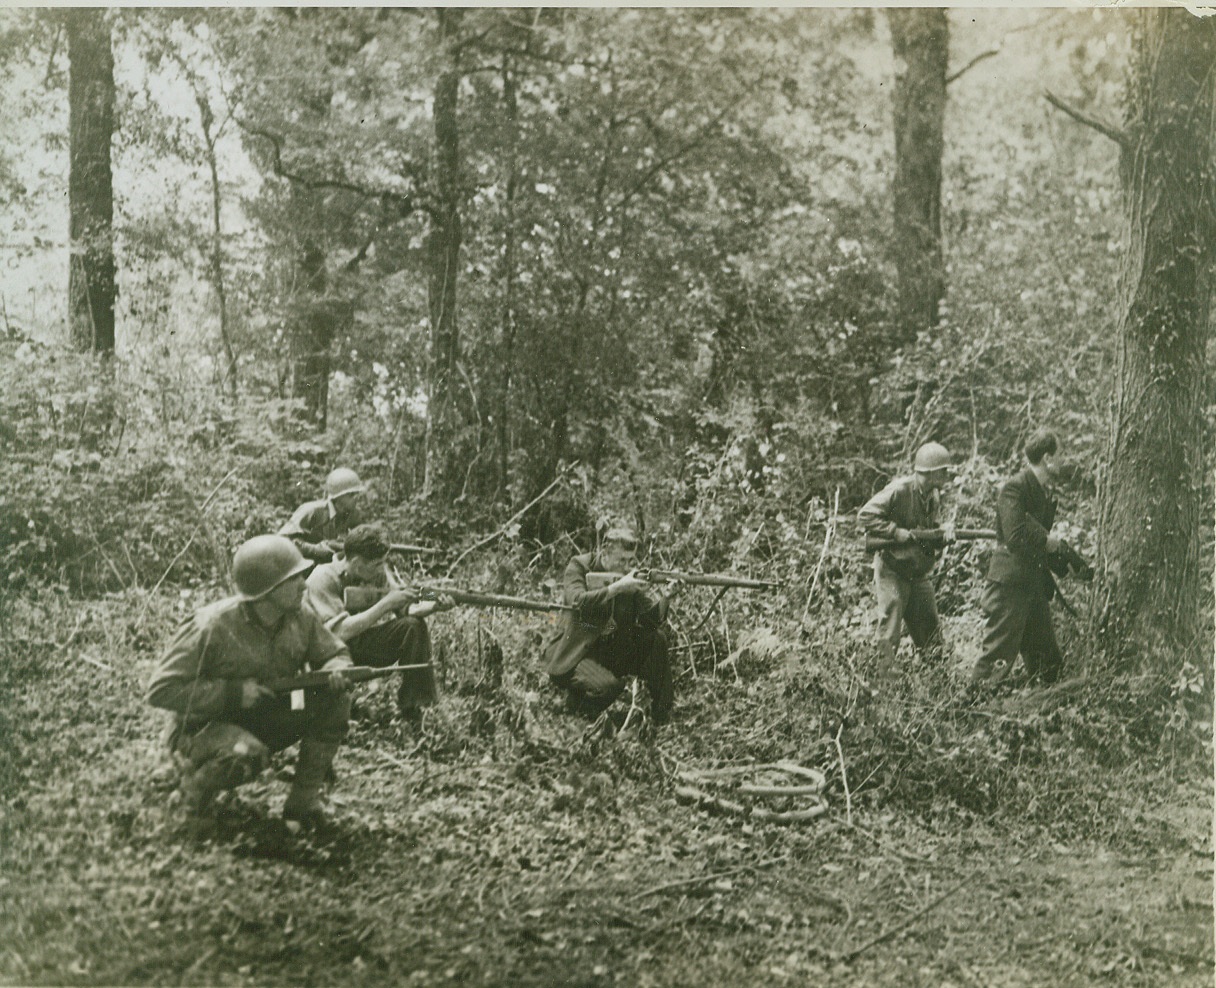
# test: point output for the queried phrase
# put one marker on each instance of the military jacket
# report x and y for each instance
(201, 674)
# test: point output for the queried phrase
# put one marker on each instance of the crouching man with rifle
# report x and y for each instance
(613, 630)
(382, 624)
(902, 561)
(220, 677)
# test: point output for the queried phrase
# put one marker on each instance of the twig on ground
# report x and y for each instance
(701, 879)
(189, 541)
(633, 704)
(844, 778)
(852, 955)
(98, 663)
(827, 538)
(512, 520)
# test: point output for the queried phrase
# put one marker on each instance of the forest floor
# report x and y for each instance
(509, 843)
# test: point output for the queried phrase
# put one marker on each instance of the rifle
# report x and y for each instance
(1066, 561)
(361, 598)
(319, 678)
(930, 539)
(596, 581)
(406, 548)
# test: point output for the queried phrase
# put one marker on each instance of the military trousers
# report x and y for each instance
(1018, 621)
(903, 601)
(599, 678)
(224, 754)
(401, 641)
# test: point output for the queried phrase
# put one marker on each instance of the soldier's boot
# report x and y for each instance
(312, 766)
(199, 787)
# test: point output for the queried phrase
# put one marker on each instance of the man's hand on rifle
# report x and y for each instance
(337, 675)
(630, 581)
(948, 532)
(398, 599)
(442, 602)
(903, 536)
(253, 693)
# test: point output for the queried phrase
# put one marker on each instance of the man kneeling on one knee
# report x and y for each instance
(612, 632)
(380, 623)
(217, 675)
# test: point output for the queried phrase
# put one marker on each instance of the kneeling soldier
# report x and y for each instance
(382, 625)
(317, 526)
(614, 631)
(216, 678)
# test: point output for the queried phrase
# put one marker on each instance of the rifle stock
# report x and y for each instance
(361, 598)
(320, 678)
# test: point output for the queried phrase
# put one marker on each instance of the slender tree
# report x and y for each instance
(920, 37)
(443, 256)
(90, 182)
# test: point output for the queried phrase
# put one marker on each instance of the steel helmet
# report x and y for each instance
(343, 481)
(265, 562)
(931, 457)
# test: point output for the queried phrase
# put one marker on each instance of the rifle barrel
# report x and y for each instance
(693, 579)
(417, 550)
(714, 580)
(319, 677)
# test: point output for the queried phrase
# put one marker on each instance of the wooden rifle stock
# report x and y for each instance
(361, 598)
(320, 678)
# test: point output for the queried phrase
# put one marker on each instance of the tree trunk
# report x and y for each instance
(90, 183)
(507, 350)
(215, 260)
(1152, 501)
(443, 261)
(920, 38)
(313, 325)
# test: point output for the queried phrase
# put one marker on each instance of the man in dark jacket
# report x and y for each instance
(613, 632)
(1020, 585)
(901, 573)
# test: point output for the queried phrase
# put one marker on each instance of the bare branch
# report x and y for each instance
(1103, 127)
(973, 63)
(406, 203)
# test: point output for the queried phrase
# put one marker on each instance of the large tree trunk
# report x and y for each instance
(90, 184)
(1152, 499)
(443, 260)
(314, 320)
(921, 41)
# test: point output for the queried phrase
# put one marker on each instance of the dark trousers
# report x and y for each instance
(224, 754)
(600, 677)
(1018, 620)
(401, 641)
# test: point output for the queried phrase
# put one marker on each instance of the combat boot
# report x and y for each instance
(312, 766)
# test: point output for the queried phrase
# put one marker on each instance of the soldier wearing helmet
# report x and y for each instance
(214, 677)
(901, 574)
(613, 632)
(1019, 588)
(318, 526)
